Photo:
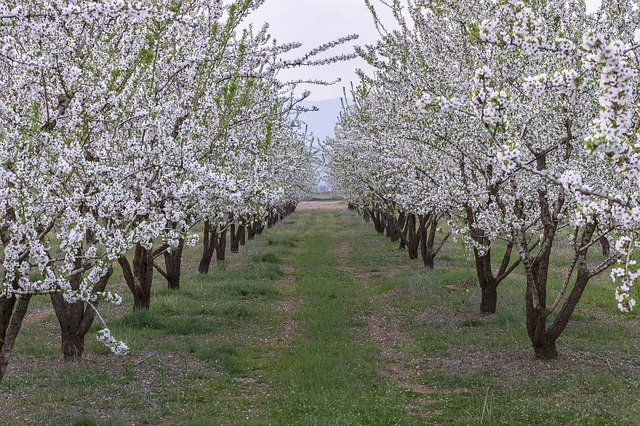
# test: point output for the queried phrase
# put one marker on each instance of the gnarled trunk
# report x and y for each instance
(366, 215)
(487, 280)
(235, 238)
(173, 265)
(139, 277)
(489, 295)
(208, 248)
(413, 237)
(536, 268)
(220, 244)
(428, 227)
(378, 222)
(242, 230)
(606, 246)
(259, 227)
(75, 319)
(400, 230)
(251, 231)
(12, 313)
(545, 350)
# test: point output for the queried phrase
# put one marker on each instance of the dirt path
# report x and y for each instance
(321, 206)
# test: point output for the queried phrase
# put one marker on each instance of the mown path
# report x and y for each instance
(331, 370)
(384, 341)
(321, 321)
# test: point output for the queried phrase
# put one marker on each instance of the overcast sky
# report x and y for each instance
(313, 22)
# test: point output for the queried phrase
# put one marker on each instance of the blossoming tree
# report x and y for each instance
(122, 127)
(487, 139)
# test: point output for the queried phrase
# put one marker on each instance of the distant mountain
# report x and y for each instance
(321, 123)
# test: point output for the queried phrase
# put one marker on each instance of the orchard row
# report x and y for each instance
(122, 127)
(513, 126)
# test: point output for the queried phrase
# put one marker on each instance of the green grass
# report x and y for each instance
(324, 197)
(267, 258)
(321, 321)
(330, 372)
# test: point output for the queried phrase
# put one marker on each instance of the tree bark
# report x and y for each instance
(429, 226)
(259, 227)
(401, 230)
(606, 246)
(139, 277)
(413, 237)
(75, 319)
(242, 229)
(251, 231)
(173, 265)
(545, 351)
(366, 215)
(489, 299)
(487, 280)
(537, 270)
(390, 225)
(208, 248)
(12, 313)
(235, 238)
(378, 221)
(220, 245)
(381, 223)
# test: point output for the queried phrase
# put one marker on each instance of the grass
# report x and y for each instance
(324, 197)
(321, 321)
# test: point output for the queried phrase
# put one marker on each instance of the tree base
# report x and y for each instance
(547, 352)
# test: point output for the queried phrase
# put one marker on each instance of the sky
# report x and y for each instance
(314, 22)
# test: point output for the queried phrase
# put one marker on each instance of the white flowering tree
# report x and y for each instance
(600, 57)
(59, 232)
(121, 128)
(487, 139)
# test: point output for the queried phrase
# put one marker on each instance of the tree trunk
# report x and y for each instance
(242, 229)
(366, 216)
(208, 248)
(429, 226)
(487, 282)
(582, 279)
(221, 245)
(413, 237)
(270, 220)
(388, 220)
(402, 228)
(536, 312)
(381, 223)
(75, 319)
(606, 246)
(378, 222)
(546, 351)
(251, 231)
(489, 298)
(12, 313)
(139, 277)
(173, 265)
(235, 238)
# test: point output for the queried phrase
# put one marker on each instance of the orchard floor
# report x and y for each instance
(321, 321)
